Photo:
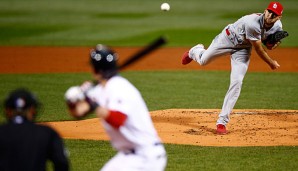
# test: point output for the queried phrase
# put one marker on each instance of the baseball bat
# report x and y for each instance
(132, 59)
(143, 52)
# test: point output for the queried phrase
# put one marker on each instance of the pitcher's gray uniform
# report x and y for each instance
(235, 39)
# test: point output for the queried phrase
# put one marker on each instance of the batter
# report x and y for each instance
(237, 39)
(123, 113)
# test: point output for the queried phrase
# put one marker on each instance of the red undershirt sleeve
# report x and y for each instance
(116, 119)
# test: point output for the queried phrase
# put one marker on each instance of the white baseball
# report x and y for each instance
(165, 7)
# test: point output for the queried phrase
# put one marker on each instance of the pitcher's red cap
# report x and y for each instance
(275, 7)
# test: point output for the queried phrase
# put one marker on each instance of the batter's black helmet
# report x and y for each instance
(104, 61)
(20, 100)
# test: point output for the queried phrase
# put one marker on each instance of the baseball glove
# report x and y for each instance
(275, 38)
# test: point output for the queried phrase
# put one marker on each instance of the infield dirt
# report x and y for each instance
(181, 126)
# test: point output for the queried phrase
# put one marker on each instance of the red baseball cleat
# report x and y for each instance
(185, 58)
(221, 129)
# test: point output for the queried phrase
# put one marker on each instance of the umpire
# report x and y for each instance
(24, 145)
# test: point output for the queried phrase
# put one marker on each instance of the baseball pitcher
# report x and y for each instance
(237, 39)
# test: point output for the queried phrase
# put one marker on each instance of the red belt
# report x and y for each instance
(228, 32)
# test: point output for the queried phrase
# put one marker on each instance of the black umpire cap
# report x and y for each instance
(20, 100)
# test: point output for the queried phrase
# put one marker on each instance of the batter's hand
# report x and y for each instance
(74, 94)
(86, 86)
(76, 101)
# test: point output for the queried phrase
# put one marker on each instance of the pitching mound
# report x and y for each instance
(197, 127)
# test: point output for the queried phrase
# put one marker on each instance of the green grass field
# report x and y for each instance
(135, 23)
(193, 89)
(91, 155)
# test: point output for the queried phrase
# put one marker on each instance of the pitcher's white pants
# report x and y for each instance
(240, 57)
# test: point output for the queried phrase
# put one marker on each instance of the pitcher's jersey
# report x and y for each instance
(250, 27)
(120, 95)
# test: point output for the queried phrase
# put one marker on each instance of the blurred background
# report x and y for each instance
(127, 23)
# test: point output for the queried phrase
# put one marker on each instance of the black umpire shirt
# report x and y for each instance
(26, 146)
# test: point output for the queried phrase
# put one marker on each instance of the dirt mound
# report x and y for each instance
(197, 127)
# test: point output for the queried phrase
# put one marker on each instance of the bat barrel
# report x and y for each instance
(143, 52)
